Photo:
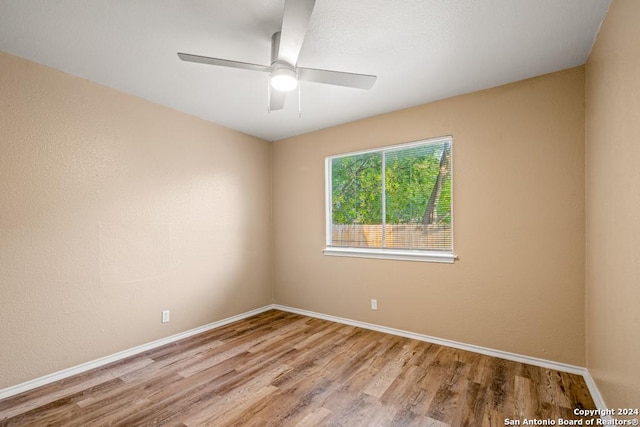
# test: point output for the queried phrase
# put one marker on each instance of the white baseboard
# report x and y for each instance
(595, 393)
(65, 373)
(74, 370)
(548, 364)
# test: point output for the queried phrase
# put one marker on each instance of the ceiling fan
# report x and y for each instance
(285, 50)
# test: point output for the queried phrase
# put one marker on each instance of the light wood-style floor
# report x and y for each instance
(283, 369)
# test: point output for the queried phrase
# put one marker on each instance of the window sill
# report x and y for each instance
(391, 254)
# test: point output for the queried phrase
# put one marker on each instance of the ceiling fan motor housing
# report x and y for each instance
(283, 75)
(275, 47)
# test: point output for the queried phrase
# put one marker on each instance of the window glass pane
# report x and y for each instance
(396, 198)
(356, 200)
(418, 197)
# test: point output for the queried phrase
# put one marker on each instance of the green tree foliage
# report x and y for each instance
(356, 189)
(412, 176)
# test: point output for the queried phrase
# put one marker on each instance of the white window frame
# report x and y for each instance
(383, 253)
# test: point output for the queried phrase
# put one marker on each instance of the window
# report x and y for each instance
(393, 202)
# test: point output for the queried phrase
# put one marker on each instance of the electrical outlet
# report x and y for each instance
(165, 316)
(374, 304)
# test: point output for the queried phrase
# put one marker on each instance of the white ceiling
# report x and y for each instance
(421, 51)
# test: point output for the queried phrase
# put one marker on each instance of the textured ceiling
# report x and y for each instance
(421, 51)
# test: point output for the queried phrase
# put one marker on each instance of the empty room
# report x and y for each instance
(319, 213)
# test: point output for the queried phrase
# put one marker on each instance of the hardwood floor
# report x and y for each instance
(283, 369)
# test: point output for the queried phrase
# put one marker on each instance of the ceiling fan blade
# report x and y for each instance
(295, 23)
(339, 78)
(276, 99)
(222, 62)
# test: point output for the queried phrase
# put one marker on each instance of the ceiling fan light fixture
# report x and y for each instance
(284, 79)
(285, 51)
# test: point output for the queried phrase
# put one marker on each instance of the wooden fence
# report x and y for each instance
(397, 236)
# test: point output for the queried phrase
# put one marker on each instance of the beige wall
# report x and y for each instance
(613, 206)
(518, 223)
(113, 209)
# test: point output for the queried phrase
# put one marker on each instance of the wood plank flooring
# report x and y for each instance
(283, 369)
